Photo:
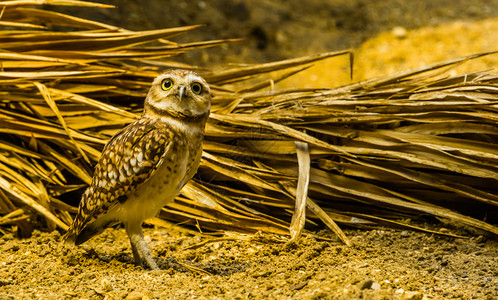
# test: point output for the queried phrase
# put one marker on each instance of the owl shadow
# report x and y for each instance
(174, 265)
(211, 268)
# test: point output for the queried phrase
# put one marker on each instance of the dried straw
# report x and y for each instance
(368, 154)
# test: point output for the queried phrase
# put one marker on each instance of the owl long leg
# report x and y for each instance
(141, 252)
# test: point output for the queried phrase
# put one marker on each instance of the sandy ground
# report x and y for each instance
(382, 264)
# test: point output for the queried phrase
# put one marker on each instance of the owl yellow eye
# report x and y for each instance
(196, 88)
(167, 84)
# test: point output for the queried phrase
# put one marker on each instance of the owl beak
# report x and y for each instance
(181, 92)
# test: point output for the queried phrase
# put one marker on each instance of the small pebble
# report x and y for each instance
(106, 285)
(399, 32)
(480, 239)
(8, 237)
(298, 286)
(135, 295)
(404, 233)
(413, 295)
(375, 286)
(365, 284)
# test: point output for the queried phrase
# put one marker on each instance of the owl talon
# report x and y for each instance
(141, 252)
(147, 262)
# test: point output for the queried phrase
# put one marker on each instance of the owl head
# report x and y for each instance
(179, 93)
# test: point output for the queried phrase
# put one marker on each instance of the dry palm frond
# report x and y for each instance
(362, 155)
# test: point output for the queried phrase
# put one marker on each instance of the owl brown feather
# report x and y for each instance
(127, 161)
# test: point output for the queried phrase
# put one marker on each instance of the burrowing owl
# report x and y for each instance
(146, 164)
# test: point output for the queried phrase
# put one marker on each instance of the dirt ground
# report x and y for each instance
(382, 264)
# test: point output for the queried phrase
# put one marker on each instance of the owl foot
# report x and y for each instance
(141, 252)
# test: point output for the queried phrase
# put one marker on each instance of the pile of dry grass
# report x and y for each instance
(366, 154)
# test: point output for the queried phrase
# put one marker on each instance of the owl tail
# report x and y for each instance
(79, 221)
(84, 225)
(70, 236)
(77, 225)
(88, 232)
(83, 233)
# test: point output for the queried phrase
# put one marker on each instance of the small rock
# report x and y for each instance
(106, 285)
(298, 286)
(72, 260)
(135, 295)
(375, 286)
(413, 295)
(365, 284)
(260, 273)
(480, 239)
(8, 237)
(399, 32)
(407, 295)
(11, 246)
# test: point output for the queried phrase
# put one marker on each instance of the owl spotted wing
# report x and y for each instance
(127, 161)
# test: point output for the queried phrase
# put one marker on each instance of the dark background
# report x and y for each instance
(275, 30)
